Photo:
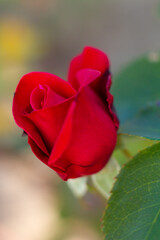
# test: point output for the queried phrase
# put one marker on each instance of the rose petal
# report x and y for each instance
(93, 136)
(52, 98)
(109, 99)
(90, 58)
(21, 101)
(37, 151)
(101, 85)
(28, 126)
(49, 121)
(93, 132)
(32, 80)
(37, 98)
(86, 77)
(74, 171)
(64, 137)
(43, 96)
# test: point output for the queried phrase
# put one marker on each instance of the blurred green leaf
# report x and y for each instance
(133, 210)
(146, 123)
(137, 97)
(78, 186)
(133, 144)
(104, 180)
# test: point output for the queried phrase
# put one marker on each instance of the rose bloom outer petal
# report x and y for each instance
(28, 126)
(74, 171)
(101, 85)
(63, 138)
(31, 80)
(93, 137)
(60, 145)
(86, 77)
(90, 58)
(37, 151)
(49, 121)
(93, 59)
(43, 96)
(21, 101)
(109, 99)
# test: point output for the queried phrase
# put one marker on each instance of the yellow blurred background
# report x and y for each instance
(44, 35)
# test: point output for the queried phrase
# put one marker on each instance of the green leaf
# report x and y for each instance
(133, 144)
(78, 186)
(136, 93)
(133, 210)
(146, 123)
(105, 179)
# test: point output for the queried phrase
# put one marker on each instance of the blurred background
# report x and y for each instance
(44, 35)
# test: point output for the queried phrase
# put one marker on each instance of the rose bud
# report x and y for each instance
(71, 126)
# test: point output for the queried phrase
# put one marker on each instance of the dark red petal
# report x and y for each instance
(27, 125)
(52, 98)
(93, 132)
(49, 121)
(44, 158)
(93, 59)
(32, 80)
(37, 151)
(21, 101)
(74, 171)
(86, 76)
(43, 96)
(101, 85)
(90, 58)
(109, 99)
(37, 98)
(63, 137)
(93, 135)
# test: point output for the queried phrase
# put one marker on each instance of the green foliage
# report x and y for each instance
(133, 210)
(146, 123)
(104, 180)
(133, 144)
(136, 92)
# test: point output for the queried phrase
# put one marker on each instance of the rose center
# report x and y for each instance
(43, 96)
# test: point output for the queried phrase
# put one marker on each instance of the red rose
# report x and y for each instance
(71, 126)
